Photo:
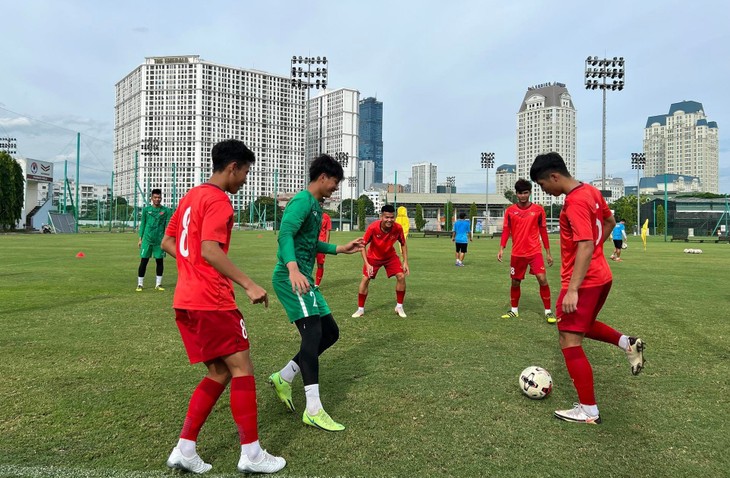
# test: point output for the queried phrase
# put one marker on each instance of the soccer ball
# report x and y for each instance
(536, 382)
(624, 246)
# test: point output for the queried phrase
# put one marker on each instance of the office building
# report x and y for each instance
(423, 178)
(506, 177)
(371, 135)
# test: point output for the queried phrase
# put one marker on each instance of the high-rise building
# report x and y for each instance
(333, 128)
(365, 175)
(614, 185)
(545, 123)
(683, 142)
(371, 134)
(506, 177)
(170, 111)
(423, 178)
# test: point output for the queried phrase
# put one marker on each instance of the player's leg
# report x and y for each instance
(362, 292)
(456, 254)
(514, 298)
(545, 296)
(581, 373)
(320, 269)
(142, 269)
(159, 270)
(400, 293)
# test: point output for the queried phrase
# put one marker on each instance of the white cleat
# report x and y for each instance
(358, 313)
(401, 313)
(577, 415)
(194, 465)
(268, 464)
(635, 354)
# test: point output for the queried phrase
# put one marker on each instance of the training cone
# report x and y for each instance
(80, 255)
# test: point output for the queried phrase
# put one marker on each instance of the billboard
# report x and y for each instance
(39, 171)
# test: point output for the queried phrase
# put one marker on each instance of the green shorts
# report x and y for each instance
(299, 306)
(151, 250)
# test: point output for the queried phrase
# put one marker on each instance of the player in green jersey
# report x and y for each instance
(151, 229)
(303, 301)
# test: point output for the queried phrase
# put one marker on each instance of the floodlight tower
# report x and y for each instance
(638, 161)
(308, 79)
(487, 163)
(343, 158)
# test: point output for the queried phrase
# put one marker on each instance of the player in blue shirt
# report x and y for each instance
(461, 235)
(619, 236)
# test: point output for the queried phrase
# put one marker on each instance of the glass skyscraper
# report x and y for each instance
(371, 135)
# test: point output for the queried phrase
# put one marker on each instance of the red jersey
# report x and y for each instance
(381, 243)
(204, 214)
(526, 227)
(326, 227)
(582, 220)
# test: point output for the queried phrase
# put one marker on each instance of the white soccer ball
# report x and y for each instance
(536, 382)
(686, 251)
(624, 246)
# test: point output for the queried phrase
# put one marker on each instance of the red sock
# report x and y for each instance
(399, 295)
(545, 295)
(318, 277)
(243, 408)
(603, 333)
(514, 295)
(581, 372)
(361, 299)
(201, 403)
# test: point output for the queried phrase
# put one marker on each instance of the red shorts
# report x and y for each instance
(590, 302)
(392, 266)
(320, 258)
(518, 266)
(210, 334)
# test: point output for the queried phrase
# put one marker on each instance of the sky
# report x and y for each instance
(451, 75)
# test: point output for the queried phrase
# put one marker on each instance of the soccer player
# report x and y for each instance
(324, 236)
(585, 223)
(381, 236)
(211, 326)
(619, 236)
(460, 235)
(526, 223)
(305, 305)
(151, 229)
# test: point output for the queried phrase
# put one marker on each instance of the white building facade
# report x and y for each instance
(366, 174)
(423, 178)
(506, 177)
(615, 185)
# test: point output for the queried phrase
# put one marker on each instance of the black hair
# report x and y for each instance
(523, 185)
(324, 163)
(387, 208)
(547, 163)
(462, 215)
(231, 151)
(156, 191)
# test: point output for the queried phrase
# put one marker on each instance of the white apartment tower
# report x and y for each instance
(423, 178)
(505, 178)
(333, 127)
(170, 111)
(545, 123)
(684, 143)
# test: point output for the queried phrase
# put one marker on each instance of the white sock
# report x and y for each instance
(140, 281)
(398, 306)
(289, 371)
(314, 405)
(186, 447)
(623, 342)
(548, 311)
(158, 283)
(361, 309)
(252, 451)
(514, 309)
(591, 410)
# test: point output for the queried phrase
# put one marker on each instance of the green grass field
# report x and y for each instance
(94, 380)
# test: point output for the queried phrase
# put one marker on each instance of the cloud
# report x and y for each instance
(14, 122)
(140, 30)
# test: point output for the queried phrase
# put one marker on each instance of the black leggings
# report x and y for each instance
(318, 334)
(143, 267)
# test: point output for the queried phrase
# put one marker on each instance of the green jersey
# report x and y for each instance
(153, 224)
(299, 236)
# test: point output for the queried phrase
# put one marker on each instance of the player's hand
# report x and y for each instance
(453, 239)
(139, 243)
(570, 302)
(257, 295)
(406, 269)
(549, 259)
(352, 247)
(369, 270)
(299, 283)
(499, 256)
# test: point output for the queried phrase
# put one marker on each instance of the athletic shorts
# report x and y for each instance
(298, 306)
(210, 334)
(392, 266)
(320, 258)
(461, 247)
(518, 266)
(618, 243)
(590, 302)
(148, 250)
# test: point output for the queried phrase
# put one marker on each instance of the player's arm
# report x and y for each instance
(294, 216)
(142, 225)
(214, 255)
(583, 254)
(505, 236)
(609, 222)
(542, 228)
(404, 253)
(168, 243)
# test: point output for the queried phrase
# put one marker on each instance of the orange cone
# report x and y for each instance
(80, 255)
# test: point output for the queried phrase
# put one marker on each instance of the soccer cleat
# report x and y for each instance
(138, 289)
(157, 287)
(268, 464)
(401, 313)
(577, 415)
(322, 420)
(282, 389)
(194, 465)
(550, 318)
(635, 354)
(510, 315)
(358, 313)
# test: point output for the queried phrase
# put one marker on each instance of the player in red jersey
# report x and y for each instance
(211, 326)
(585, 224)
(324, 236)
(381, 236)
(525, 222)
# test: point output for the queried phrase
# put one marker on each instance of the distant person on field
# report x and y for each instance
(151, 229)
(212, 328)
(381, 237)
(324, 236)
(585, 224)
(526, 223)
(402, 219)
(619, 236)
(461, 235)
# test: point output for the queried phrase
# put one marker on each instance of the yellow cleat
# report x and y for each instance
(322, 420)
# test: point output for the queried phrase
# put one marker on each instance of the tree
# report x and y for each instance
(511, 196)
(472, 211)
(420, 221)
(369, 206)
(11, 191)
(660, 219)
(361, 212)
(449, 214)
(261, 206)
(348, 205)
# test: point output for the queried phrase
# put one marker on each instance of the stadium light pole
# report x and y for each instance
(307, 79)
(9, 145)
(352, 180)
(603, 69)
(487, 163)
(343, 159)
(450, 183)
(638, 161)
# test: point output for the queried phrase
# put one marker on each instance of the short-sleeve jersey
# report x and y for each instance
(582, 219)
(326, 227)
(153, 223)
(381, 243)
(524, 226)
(204, 214)
(462, 228)
(618, 231)
(299, 236)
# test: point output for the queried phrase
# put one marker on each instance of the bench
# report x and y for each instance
(686, 238)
